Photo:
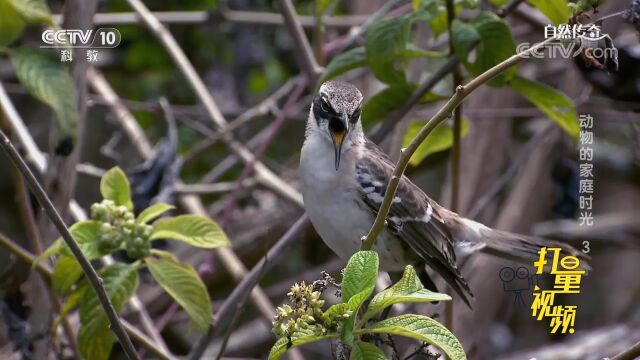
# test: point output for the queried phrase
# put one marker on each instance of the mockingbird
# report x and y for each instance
(344, 178)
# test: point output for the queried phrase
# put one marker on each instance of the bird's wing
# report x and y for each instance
(413, 216)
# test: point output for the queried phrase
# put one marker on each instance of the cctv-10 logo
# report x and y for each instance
(75, 38)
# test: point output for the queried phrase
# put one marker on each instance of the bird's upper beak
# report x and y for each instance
(339, 128)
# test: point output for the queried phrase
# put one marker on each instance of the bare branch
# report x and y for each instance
(460, 94)
(196, 83)
(305, 54)
(233, 16)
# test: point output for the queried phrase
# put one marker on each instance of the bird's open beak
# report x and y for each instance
(338, 134)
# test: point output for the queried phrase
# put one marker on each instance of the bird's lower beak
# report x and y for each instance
(338, 134)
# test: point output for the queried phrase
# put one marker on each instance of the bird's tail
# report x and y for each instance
(473, 236)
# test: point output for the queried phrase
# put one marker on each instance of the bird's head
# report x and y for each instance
(335, 115)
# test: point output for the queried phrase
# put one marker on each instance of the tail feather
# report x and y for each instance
(475, 236)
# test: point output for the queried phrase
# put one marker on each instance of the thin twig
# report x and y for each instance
(34, 155)
(276, 126)
(232, 303)
(309, 64)
(460, 94)
(87, 268)
(233, 16)
(266, 105)
(197, 84)
(30, 259)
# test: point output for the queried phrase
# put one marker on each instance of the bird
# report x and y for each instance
(344, 177)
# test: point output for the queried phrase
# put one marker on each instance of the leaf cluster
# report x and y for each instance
(351, 321)
(113, 228)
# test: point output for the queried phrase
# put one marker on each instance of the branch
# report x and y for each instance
(20, 130)
(233, 16)
(629, 354)
(309, 64)
(460, 94)
(184, 65)
(87, 268)
(43, 269)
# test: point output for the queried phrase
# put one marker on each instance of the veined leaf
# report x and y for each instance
(283, 344)
(422, 328)
(349, 60)
(48, 81)
(95, 339)
(366, 351)
(34, 11)
(360, 274)
(11, 23)
(358, 283)
(65, 273)
(184, 285)
(408, 289)
(556, 10)
(114, 185)
(86, 235)
(195, 230)
(553, 103)
(153, 212)
(440, 139)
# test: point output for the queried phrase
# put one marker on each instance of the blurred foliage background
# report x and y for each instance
(518, 158)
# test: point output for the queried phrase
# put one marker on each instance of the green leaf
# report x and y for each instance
(440, 139)
(114, 185)
(34, 11)
(65, 273)
(408, 289)
(86, 235)
(360, 274)
(153, 212)
(495, 44)
(422, 328)
(553, 103)
(195, 230)
(344, 62)
(384, 102)
(11, 23)
(184, 285)
(358, 283)
(366, 351)
(383, 42)
(556, 10)
(48, 81)
(283, 344)
(95, 339)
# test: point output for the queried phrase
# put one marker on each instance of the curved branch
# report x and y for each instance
(461, 93)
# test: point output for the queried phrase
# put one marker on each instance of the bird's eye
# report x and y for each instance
(324, 105)
(354, 117)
